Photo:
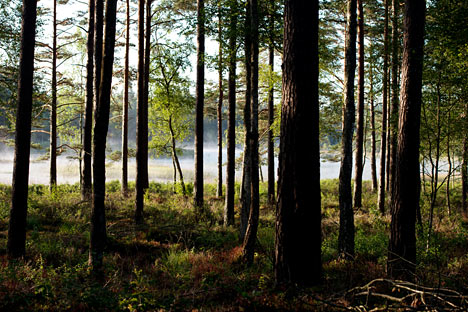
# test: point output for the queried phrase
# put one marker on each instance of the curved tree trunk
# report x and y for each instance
(298, 212)
(346, 234)
(16, 244)
(175, 157)
(405, 199)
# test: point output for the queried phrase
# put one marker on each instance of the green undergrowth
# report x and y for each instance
(181, 259)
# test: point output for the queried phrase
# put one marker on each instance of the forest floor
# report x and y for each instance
(181, 261)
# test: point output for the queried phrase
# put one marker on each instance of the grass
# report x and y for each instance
(180, 261)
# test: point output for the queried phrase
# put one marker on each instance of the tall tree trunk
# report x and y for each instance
(395, 103)
(246, 194)
(358, 165)
(252, 227)
(125, 106)
(86, 181)
(142, 127)
(147, 56)
(98, 234)
(19, 199)
(271, 114)
(98, 34)
(53, 106)
(383, 140)
(405, 199)
(373, 140)
(219, 190)
(464, 166)
(231, 126)
(298, 211)
(346, 234)
(449, 171)
(200, 95)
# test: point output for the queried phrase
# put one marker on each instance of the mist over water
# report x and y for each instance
(160, 170)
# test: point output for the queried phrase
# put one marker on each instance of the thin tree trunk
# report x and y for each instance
(298, 212)
(147, 56)
(383, 140)
(53, 106)
(16, 244)
(142, 127)
(86, 182)
(271, 116)
(449, 173)
(231, 126)
(246, 194)
(219, 190)
(200, 100)
(394, 101)
(405, 199)
(464, 166)
(435, 169)
(346, 234)
(252, 227)
(174, 175)
(174, 156)
(358, 165)
(125, 106)
(389, 134)
(98, 234)
(98, 34)
(373, 140)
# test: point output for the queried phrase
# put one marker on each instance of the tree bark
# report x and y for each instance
(142, 126)
(373, 139)
(405, 199)
(86, 181)
(231, 126)
(146, 95)
(175, 157)
(246, 194)
(358, 165)
(383, 138)
(298, 212)
(16, 245)
(98, 234)
(384, 141)
(125, 105)
(219, 189)
(252, 227)
(464, 165)
(271, 116)
(346, 234)
(200, 100)
(395, 103)
(53, 106)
